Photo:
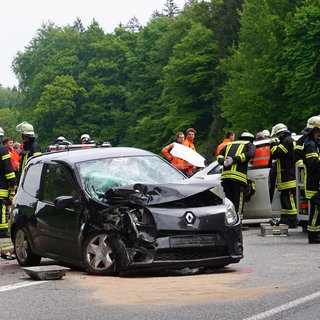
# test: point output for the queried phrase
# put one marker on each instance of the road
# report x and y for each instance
(278, 279)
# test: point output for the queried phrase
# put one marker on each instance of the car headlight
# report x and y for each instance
(231, 215)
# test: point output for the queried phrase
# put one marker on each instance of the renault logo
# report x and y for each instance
(189, 217)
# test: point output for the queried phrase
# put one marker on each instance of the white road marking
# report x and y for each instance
(284, 307)
(19, 285)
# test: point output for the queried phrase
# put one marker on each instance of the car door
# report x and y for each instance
(266, 201)
(58, 229)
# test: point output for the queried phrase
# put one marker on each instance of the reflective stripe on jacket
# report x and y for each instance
(311, 167)
(7, 175)
(285, 163)
(241, 152)
(222, 145)
(262, 156)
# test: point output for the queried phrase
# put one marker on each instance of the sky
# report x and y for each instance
(20, 20)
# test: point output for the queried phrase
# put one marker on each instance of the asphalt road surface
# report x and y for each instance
(278, 278)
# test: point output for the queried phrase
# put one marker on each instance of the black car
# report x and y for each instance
(112, 210)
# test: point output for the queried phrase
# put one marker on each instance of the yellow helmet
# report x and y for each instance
(280, 127)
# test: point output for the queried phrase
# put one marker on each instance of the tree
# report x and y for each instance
(189, 83)
(55, 112)
(253, 96)
(301, 68)
(171, 10)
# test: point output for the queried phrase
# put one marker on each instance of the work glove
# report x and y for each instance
(228, 162)
(273, 141)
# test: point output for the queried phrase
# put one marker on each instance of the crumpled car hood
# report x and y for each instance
(152, 194)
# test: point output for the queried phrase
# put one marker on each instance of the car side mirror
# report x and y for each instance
(63, 202)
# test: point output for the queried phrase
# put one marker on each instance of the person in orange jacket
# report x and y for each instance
(229, 138)
(14, 155)
(189, 142)
(177, 162)
(262, 155)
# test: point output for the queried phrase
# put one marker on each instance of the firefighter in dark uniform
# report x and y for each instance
(235, 157)
(7, 185)
(29, 147)
(282, 150)
(311, 148)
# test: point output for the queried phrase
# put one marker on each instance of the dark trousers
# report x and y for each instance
(314, 217)
(289, 209)
(288, 201)
(234, 192)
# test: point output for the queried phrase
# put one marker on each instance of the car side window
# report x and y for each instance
(31, 181)
(57, 183)
(216, 169)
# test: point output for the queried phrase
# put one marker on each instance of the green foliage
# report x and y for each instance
(301, 66)
(253, 95)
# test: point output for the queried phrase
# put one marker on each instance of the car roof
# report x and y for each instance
(85, 154)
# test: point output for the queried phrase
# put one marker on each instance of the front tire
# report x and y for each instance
(103, 254)
(22, 249)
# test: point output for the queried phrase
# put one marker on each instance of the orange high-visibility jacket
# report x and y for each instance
(177, 162)
(221, 145)
(261, 156)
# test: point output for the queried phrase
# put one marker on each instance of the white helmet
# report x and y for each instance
(280, 127)
(313, 122)
(1, 132)
(26, 129)
(86, 137)
(247, 136)
(266, 133)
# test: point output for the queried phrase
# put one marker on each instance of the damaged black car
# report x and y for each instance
(112, 210)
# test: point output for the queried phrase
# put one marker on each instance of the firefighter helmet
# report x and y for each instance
(26, 129)
(85, 136)
(1, 132)
(278, 128)
(313, 122)
(266, 133)
(247, 136)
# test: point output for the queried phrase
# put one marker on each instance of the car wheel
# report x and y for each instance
(23, 251)
(103, 254)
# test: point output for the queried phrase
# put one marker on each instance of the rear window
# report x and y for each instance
(31, 180)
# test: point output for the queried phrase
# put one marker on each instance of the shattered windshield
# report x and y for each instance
(102, 174)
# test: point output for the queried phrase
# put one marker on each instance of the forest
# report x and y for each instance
(214, 65)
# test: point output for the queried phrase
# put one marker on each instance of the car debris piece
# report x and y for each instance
(53, 272)
(275, 230)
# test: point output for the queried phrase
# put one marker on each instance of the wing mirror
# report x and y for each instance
(63, 202)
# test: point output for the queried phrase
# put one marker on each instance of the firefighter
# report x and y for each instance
(235, 157)
(7, 185)
(311, 148)
(29, 147)
(282, 150)
(298, 148)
